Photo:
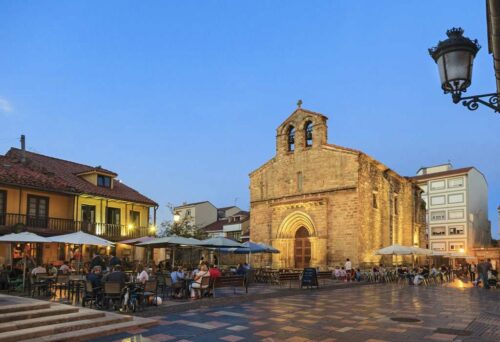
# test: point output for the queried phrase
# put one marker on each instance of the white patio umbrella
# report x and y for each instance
(81, 238)
(395, 250)
(421, 251)
(24, 237)
(220, 242)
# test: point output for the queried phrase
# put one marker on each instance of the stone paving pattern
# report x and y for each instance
(352, 314)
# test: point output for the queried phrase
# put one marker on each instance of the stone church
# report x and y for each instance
(320, 203)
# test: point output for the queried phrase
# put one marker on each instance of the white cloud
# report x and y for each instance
(5, 106)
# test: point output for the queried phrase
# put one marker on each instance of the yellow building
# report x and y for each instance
(50, 196)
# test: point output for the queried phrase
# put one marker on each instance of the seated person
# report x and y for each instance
(196, 284)
(95, 277)
(358, 275)
(117, 275)
(52, 270)
(64, 268)
(343, 274)
(39, 270)
(177, 281)
(142, 275)
(336, 272)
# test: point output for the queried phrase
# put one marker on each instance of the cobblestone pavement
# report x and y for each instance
(363, 313)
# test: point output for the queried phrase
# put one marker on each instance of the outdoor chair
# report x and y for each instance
(205, 286)
(164, 285)
(76, 284)
(112, 293)
(91, 295)
(39, 282)
(150, 290)
(60, 284)
(13, 283)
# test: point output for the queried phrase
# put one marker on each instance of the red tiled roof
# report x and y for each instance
(442, 174)
(215, 226)
(52, 174)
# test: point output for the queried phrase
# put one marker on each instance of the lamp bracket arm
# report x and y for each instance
(472, 102)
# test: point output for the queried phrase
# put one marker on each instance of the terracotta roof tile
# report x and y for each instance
(215, 226)
(442, 174)
(53, 174)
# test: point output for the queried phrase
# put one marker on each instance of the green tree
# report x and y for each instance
(180, 226)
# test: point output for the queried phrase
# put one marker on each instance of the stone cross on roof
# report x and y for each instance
(299, 103)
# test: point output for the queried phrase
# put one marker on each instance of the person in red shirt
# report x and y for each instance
(214, 272)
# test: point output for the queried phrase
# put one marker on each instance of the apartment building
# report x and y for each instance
(202, 214)
(233, 227)
(457, 208)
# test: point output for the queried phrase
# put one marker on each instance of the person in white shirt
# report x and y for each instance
(142, 275)
(348, 269)
(39, 270)
(64, 268)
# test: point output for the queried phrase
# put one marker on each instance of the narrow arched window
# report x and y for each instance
(308, 131)
(291, 139)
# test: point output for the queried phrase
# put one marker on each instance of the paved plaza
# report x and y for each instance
(374, 313)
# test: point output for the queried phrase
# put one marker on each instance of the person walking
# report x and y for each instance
(472, 272)
(348, 269)
(482, 268)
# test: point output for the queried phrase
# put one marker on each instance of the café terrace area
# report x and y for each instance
(50, 305)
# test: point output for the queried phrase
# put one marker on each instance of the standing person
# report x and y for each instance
(348, 269)
(97, 261)
(472, 272)
(216, 261)
(482, 268)
(114, 260)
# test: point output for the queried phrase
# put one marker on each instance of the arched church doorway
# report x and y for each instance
(302, 248)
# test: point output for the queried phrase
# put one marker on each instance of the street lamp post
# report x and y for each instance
(455, 57)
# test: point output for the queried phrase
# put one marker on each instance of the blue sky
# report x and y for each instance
(182, 99)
